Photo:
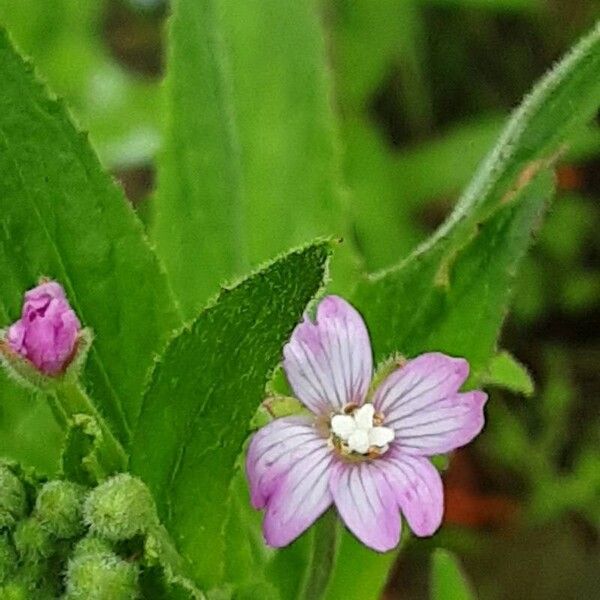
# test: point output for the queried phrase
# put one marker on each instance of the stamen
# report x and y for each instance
(358, 432)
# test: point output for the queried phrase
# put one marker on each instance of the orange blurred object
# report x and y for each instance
(466, 505)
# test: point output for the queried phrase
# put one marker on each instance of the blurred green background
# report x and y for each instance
(421, 88)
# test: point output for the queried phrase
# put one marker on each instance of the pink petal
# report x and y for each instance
(366, 503)
(16, 336)
(420, 402)
(417, 488)
(274, 450)
(298, 497)
(328, 363)
(46, 291)
(422, 380)
(443, 426)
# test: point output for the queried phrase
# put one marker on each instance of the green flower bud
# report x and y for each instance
(32, 541)
(102, 576)
(59, 508)
(13, 500)
(91, 544)
(120, 508)
(8, 558)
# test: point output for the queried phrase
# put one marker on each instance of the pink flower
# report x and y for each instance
(364, 451)
(46, 333)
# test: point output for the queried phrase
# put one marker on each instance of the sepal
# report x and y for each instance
(25, 373)
(275, 407)
(384, 369)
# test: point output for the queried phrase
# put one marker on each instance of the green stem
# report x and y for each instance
(73, 400)
(58, 412)
(322, 560)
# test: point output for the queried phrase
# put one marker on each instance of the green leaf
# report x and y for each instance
(249, 163)
(454, 302)
(28, 432)
(447, 579)
(452, 293)
(63, 217)
(504, 370)
(160, 553)
(203, 393)
(393, 33)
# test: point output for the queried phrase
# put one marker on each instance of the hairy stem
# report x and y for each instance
(322, 560)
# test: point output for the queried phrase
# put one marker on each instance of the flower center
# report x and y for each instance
(359, 432)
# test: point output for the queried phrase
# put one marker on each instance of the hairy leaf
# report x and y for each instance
(203, 393)
(451, 293)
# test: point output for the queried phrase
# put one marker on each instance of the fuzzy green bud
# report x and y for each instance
(91, 544)
(8, 558)
(13, 500)
(102, 576)
(120, 508)
(32, 541)
(59, 508)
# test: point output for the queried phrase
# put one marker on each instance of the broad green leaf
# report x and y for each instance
(203, 393)
(63, 217)
(447, 579)
(249, 163)
(28, 432)
(506, 371)
(172, 583)
(119, 108)
(452, 293)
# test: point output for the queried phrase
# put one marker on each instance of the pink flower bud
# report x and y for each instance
(46, 334)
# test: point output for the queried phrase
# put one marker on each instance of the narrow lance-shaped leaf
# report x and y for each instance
(452, 293)
(63, 217)
(203, 393)
(249, 163)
